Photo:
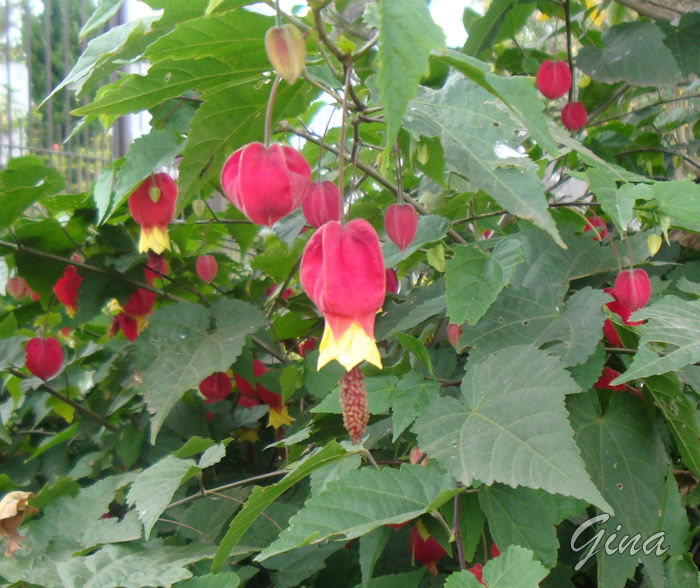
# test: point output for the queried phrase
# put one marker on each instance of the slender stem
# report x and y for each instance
(81, 409)
(271, 350)
(281, 291)
(366, 47)
(341, 150)
(657, 150)
(268, 110)
(397, 168)
(278, 17)
(629, 251)
(321, 29)
(607, 102)
(458, 532)
(568, 48)
(370, 457)
(647, 107)
(186, 526)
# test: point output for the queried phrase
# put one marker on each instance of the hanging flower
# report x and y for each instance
(248, 397)
(573, 116)
(152, 205)
(321, 203)
(632, 288)
(156, 268)
(206, 268)
(342, 271)
(401, 223)
(66, 289)
(424, 548)
(43, 357)
(553, 78)
(215, 387)
(18, 288)
(286, 51)
(132, 319)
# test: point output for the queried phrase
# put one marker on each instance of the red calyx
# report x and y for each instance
(207, 268)
(426, 551)
(149, 213)
(610, 334)
(43, 357)
(573, 116)
(600, 225)
(392, 282)
(140, 303)
(632, 289)
(321, 203)
(401, 222)
(553, 78)
(607, 376)
(66, 289)
(265, 184)
(215, 387)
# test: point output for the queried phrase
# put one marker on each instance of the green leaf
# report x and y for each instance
(407, 34)
(483, 31)
(371, 547)
(526, 517)
(680, 201)
(617, 203)
(415, 346)
(261, 498)
(411, 396)
(213, 455)
(477, 137)
(430, 228)
(12, 351)
(474, 279)
(194, 446)
(463, 579)
(494, 432)
(403, 314)
(407, 580)
(178, 349)
(515, 567)
(292, 568)
(104, 11)
(222, 580)
(379, 390)
(102, 193)
(673, 323)
(633, 52)
(363, 500)
(684, 42)
(674, 519)
(624, 452)
(154, 487)
(571, 331)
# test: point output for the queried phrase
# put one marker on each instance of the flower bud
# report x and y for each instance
(392, 282)
(321, 203)
(18, 288)
(599, 224)
(453, 333)
(152, 205)
(401, 222)
(43, 357)
(265, 184)
(632, 288)
(286, 51)
(66, 289)
(353, 401)
(654, 243)
(215, 387)
(553, 78)
(573, 116)
(207, 268)
(424, 548)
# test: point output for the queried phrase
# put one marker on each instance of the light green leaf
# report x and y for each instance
(625, 454)
(463, 579)
(672, 323)
(222, 580)
(213, 455)
(618, 204)
(379, 390)
(680, 201)
(633, 52)
(685, 285)
(407, 34)
(411, 396)
(102, 193)
(420, 304)
(292, 568)
(430, 228)
(183, 331)
(407, 580)
(474, 279)
(674, 519)
(194, 446)
(483, 31)
(371, 547)
(154, 487)
(321, 477)
(515, 567)
(477, 134)
(261, 498)
(104, 11)
(363, 500)
(494, 432)
(415, 346)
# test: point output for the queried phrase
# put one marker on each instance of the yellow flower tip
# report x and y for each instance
(70, 310)
(141, 323)
(279, 417)
(113, 306)
(250, 435)
(154, 238)
(353, 346)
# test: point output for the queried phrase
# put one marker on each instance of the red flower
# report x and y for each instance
(265, 184)
(453, 333)
(620, 309)
(248, 397)
(18, 288)
(66, 289)
(207, 268)
(573, 116)
(553, 78)
(632, 288)
(321, 203)
(392, 282)
(152, 205)
(424, 548)
(132, 318)
(607, 376)
(286, 51)
(156, 267)
(401, 222)
(305, 346)
(43, 357)
(610, 334)
(478, 570)
(600, 224)
(342, 271)
(215, 387)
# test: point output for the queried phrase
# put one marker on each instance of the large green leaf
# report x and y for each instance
(494, 432)
(624, 452)
(477, 136)
(363, 500)
(474, 279)
(633, 52)
(483, 31)
(411, 396)
(178, 349)
(684, 42)
(680, 201)
(617, 203)
(669, 339)
(407, 34)
(514, 567)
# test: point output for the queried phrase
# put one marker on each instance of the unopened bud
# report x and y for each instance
(286, 51)
(198, 207)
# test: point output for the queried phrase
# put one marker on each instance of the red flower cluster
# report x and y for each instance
(132, 317)
(424, 548)
(250, 396)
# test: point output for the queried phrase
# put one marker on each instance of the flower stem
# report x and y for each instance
(268, 112)
(341, 147)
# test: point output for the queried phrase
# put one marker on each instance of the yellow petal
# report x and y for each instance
(250, 435)
(350, 349)
(279, 417)
(154, 238)
(141, 323)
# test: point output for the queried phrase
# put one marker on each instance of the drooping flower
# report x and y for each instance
(321, 203)
(342, 271)
(215, 387)
(43, 357)
(553, 78)
(132, 319)
(392, 282)
(66, 289)
(156, 268)
(573, 116)
(632, 288)
(620, 309)
(424, 548)
(265, 184)
(18, 288)
(152, 205)
(353, 401)
(206, 268)
(401, 223)
(286, 51)
(249, 396)
(599, 224)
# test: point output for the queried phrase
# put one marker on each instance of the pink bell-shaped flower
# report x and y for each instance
(401, 222)
(43, 357)
(321, 203)
(207, 268)
(342, 271)
(18, 288)
(215, 387)
(152, 205)
(573, 116)
(553, 78)
(265, 184)
(632, 288)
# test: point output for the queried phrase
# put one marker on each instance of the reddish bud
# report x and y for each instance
(632, 288)
(156, 267)
(265, 184)
(66, 289)
(553, 78)
(207, 268)
(306, 346)
(321, 203)
(401, 222)
(620, 309)
(607, 376)
(392, 282)
(18, 288)
(477, 570)
(453, 333)
(286, 51)
(425, 549)
(573, 116)
(215, 387)
(152, 205)
(416, 456)
(600, 225)
(353, 401)
(610, 334)
(43, 357)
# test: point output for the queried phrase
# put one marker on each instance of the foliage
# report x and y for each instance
(510, 438)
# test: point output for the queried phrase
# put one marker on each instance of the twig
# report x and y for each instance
(457, 532)
(172, 522)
